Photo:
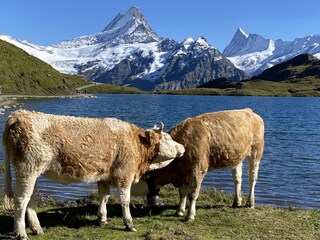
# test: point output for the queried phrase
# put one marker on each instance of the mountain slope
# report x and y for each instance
(21, 73)
(128, 52)
(301, 66)
(253, 54)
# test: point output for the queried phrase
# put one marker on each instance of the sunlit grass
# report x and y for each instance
(215, 220)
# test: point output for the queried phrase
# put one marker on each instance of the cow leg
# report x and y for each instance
(253, 168)
(183, 199)
(193, 196)
(124, 193)
(237, 180)
(104, 194)
(33, 220)
(24, 190)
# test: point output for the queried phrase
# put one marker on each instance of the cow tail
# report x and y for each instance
(8, 202)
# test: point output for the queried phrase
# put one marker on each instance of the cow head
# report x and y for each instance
(168, 148)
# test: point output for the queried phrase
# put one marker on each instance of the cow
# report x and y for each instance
(71, 149)
(212, 141)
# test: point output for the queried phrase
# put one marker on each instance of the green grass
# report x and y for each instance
(215, 220)
(21, 73)
(302, 87)
(109, 88)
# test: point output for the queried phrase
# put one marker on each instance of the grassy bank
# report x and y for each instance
(21, 73)
(305, 87)
(215, 220)
(109, 88)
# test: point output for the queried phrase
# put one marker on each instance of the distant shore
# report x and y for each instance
(6, 103)
(11, 101)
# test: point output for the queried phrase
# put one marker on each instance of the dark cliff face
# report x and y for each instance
(128, 71)
(192, 70)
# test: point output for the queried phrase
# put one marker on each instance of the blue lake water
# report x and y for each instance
(290, 168)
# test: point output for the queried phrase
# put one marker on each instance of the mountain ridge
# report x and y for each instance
(129, 52)
(253, 53)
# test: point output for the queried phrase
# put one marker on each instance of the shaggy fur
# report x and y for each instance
(212, 141)
(70, 149)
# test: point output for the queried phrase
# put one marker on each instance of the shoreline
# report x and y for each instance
(11, 101)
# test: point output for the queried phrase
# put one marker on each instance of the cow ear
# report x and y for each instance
(145, 138)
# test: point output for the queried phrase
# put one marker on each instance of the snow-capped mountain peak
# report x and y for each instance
(127, 28)
(122, 19)
(240, 31)
(201, 44)
(187, 43)
(131, 27)
(253, 53)
(243, 43)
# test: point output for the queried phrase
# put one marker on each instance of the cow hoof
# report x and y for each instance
(153, 201)
(179, 213)
(250, 206)
(103, 223)
(37, 231)
(130, 229)
(189, 220)
(236, 205)
(23, 238)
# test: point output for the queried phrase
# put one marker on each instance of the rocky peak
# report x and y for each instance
(133, 14)
(131, 26)
(201, 44)
(243, 43)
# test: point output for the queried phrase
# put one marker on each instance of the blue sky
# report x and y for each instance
(46, 22)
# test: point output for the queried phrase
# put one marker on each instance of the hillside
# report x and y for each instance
(21, 73)
(303, 65)
(299, 76)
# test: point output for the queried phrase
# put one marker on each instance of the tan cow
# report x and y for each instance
(73, 149)
(212, 141)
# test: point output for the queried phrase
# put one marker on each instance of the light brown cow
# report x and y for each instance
(212, 141)
(70, 149)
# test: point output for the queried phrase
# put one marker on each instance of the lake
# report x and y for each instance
(290, 168)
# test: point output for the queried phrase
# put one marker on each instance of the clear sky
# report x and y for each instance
(46, 22)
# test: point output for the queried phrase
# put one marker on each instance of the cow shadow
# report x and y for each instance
(85, 215)
(78, 216)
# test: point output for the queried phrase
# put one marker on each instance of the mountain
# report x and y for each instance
(301, 66)
(299, 76)
(253, 54)
(128, 52)
(175, 66)
(21, 73)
